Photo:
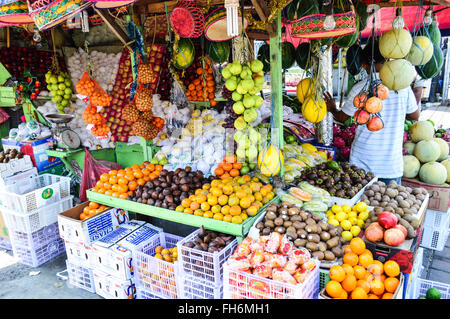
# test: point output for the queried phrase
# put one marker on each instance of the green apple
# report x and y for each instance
(226, 73)
(238, 107)
(256, 66)
(240, 123)
(250, 115)
(248, 101)
(231, 84)
(236, 96)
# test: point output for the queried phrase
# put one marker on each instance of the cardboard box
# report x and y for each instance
(85, 232)
(439, 195)
(109, 287)
(117, 259)
(36, 150)
(79, 253)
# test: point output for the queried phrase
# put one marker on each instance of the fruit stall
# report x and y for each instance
(156, 144)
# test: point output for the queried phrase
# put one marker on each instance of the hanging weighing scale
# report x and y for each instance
(65, 138)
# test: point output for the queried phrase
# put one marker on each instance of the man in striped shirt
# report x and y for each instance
(379, 152)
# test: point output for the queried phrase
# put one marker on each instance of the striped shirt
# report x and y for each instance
(381, 152)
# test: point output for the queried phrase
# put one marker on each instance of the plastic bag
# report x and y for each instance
(90, 88)
(92, 170)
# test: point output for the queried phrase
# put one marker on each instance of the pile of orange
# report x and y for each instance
(203, 86)
(158, 122)
(233, 199)
(92, 209)
(121, 183)
(228, 167)
(362, 277)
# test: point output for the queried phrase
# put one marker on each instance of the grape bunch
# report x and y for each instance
(232, 116)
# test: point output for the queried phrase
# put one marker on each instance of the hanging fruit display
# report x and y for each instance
(59, 85)
(200, 82)
(369, 104)
(184, 53)
(218, 51)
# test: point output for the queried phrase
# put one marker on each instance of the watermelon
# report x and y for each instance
(353, 59)
(300, 8)
(432, 67)
(218, 51)
(361, 12)
(348, 40)
(264, 56)
(185, 53)
(287, 55)
(431, 31)
(303, 55)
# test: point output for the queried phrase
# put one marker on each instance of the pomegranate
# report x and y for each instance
(361, 117)
(375, 123)
(387, 220)
(394, 237)
(402, 228)
(374, 232)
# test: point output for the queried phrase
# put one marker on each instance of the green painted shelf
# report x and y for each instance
(238, 230)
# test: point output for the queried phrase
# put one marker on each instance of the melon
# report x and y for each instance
(443, 145)
(305, 88)
(421, 130)
(264, 56)
(218, 51)
(184, 56)
(433, 173)
(269, 160)
(433, 67)
(287, 55)
(395, 43)
(411, 166)
(300, 8)
(446, 164)
(427, 151)
(409, 147)
(397, 74)
(314, 110)
(303, 55)
(353, 59)
(431, 31)
(421, 51)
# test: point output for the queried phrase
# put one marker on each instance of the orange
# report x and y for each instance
(218, 216)
(201, 198)
(391, 284)
(236, 219)
(138, 174)
(237, 166)
(122, 181)
(387, 295)
(365, 260)
(347, 249)
(225, 210)
(219, 171)
(227, 166)
(225, 175)
(391, 268)
(235, 210)
(343, 295)
(227, 218)
(132, 185)
(349, 283)
(99, 184)
(129, 176)
(141, 181)
(358, 293)
(104, 177)
(108, 192)
(372, 296)
(222, 200)
(123, 195)
(333, 289)
(348, 269)
(351, 259)
(357, 245)
(107, 186)
(337, 273)
(234, 172)
(377, 287)
(194, 206)
(376, 267)
(364, 285)
(360, 272)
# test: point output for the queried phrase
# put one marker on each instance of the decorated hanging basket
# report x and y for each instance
(187, 19)
(15, 13)
(216, 25)
(107, 4)
(58, 12)
(312, 26)
(95, 19)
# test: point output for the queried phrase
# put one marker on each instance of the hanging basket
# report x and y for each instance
(15, 13)
(107, 4)
(187, 19)
(35, 6)
(216, 25)
(58, 12)
(311, 27)
(95, 19)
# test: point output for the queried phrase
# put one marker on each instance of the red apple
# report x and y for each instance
(387, 220)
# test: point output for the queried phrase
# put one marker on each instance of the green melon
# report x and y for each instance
(361, 11)
(446, 164)
(264, 56)
(184, 55)
(218, 51)
(427, 151)
(431, 31)
(443, 145)
(433, 67)
(421, 51)
(300, 8)
(303, 55)
(433, 173)
(287, 55)
(395, 43)
(397, 74)
(411, 166)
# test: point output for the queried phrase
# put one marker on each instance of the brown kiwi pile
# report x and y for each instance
(9, 155)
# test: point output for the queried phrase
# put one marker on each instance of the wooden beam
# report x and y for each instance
(263, 12)
(115, 28)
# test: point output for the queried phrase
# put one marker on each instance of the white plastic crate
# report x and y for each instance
(80, 276)
(47, 188)
(37, 219)
(238, 285)
(110, 287)
(415, 272)
(437, 219)
(36, 239)
(36, 257)
(157, 276)
(435, 230)
(422, 285)
(5, 243)
(195, 288)
(200, 264)
(142, 293)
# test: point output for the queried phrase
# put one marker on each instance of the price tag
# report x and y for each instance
(82, 97)
(89, 126)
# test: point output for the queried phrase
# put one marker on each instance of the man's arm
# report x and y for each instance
(331, 107)
(414, 116)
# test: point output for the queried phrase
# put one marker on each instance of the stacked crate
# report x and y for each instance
(113, 262)
(30, 208)
(435, 229)
(79, 236)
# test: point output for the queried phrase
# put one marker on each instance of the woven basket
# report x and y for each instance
(216, 25)
(15, 13)
(187, 19)
(57, 12)
(111, 4)
(311, 27)
(95, 19)
(37, 5)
